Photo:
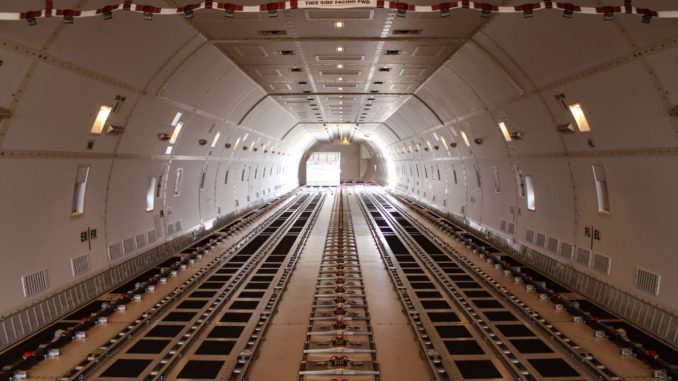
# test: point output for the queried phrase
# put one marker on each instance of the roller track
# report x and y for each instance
(471, 327)
(213, 324)
(339, 338)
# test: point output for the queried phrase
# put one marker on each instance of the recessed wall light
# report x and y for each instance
(579, 117)
(100, 121)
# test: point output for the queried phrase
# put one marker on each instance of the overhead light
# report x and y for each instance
(444, 12)
(175, 133)
(188, 13)
(505, 131)
(148, 15)
(100, 121)
(528, 12)
(568, 12)
(340, 66)
(647, 17)
(32, 21)
(272, 13)
(341, 88)
(442, 138)
(216, 139)
(176, 119)
(237, 141)
(486, 12)
(107, 13)
(68, 18)
(340, 79)
(168, 150)
(466, 141)
(401, 12)
(229, 13)
(339, 24)
(579, 117)
(340, 49)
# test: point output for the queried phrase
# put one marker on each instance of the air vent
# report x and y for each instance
(295, 70)
(177, 226)
(384, 69)
(392, 52)
(115, 251)
(647, 281)
(272, 32)
(511, 228)
(340, 57)
(601, 263)
(529, 235)
(552, 245)
(565, 250)
(287, 52)
(80, 265)
(502, 225)
(142, 240)
(170, 229)
(378, 82)
(152, 236)
(583, 256)
(34, 283)
(407, 31)
(129, 245)
(340, 72)
(541, 239)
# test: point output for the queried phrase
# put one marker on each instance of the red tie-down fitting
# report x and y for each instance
(339, 341)
(339, 324)
(28, 354)
(339, 361)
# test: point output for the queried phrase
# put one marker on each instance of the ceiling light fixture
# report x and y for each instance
(340, 49)
(339, 24)
(340, 66)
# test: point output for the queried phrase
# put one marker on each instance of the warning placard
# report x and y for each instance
(336, 4)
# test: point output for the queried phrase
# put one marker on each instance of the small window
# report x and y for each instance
(497, 186)
(79, 191)
(529, 188)
(177, 181)
(150, 194)
(601, 188)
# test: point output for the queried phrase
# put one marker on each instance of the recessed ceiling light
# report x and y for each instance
(340, 66)
(340, 49)
(340, 79)
(339, 24)
(341, 88)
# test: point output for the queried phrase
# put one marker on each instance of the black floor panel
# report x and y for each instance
(214, 347)
(467, 285)
(126, 368)
(418, 278)
(452, 331)
(435, 304)
(553, 368)
(191, 304)
(218, 278)
(165, 331)
(179, 316)
(211, 286)
(413, 271)
(463, 347)
(267, 271)
(474, 369)
(443, 317)
(489, 303)
(85, 311)
(236, 317)
(477, 294)
(429, 294)
(422, 285)
(515, 330)
(202, 294)
(244, 305)
(461, 278)
(531, 346)
(453, 270)
(262, 278)
(257, 286)
(226, 332)
(201, 369)
(500, 316)
(251, 294)
(149, 346)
